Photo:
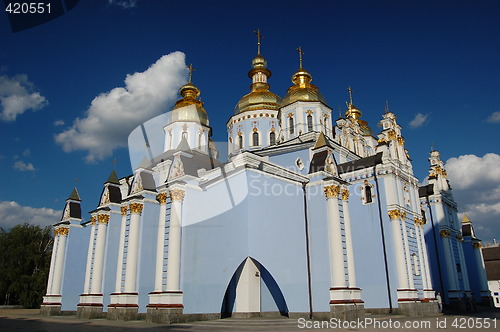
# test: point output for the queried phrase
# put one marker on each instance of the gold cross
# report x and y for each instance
(259, 36)
(299, 49)
(191, 69)
(350, 94)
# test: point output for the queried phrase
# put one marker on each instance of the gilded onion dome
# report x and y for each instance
(355, 113)
(182, 112)
(259, 97)
(302, 89)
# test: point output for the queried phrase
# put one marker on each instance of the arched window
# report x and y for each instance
(290, 124)
(185, 135)
(309, 122)
(272, 138)
(255, 138)
(368, 194)
(240, 141)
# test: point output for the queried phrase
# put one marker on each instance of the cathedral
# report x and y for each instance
(309, 216)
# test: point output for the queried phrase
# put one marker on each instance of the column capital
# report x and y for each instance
(61, 231)
(124, 210)
(331, 191)
(444, 233)
(394, 214)
(419, 221)
(93, 220)
(459, 238)
(103, 218)
(136, 208)
(345, 194)
(162, 198)
(177, 194)
(477, 245)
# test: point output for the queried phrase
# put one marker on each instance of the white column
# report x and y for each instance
(133, 248)
(463, 264)
(480, 266)
(160, 243)
(174, 240)
(426, 259)
(62, 233)
(119, 264)
(421, 256)
(90, 251)
(409, 272)
(337, 270)
(348, 239)
(100, 247)
(397, 237)
(52, 265)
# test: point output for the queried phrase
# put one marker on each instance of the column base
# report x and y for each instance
(160, 315)
(418, 309)
(90, 306)
(346, 303)
(487, 299)
(124, 306)
(408, 295)
(51, 305)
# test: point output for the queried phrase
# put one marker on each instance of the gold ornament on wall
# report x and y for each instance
(162, 198)
(445, 233)
(477, 245)
(124, 210)
(345, 194)
(394, 214)
(103, 218)
(93, 220)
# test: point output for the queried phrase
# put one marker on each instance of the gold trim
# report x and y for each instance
(401, 140)
(391, 135)
(460, 237)
(136, 208)
(345, 194)
(403, 215)
(477, 245)
(124, 210)
(61, 231)
(162, 198)
(103, 218)
(331, 191)
(177, 195)
(419, 221)
(93, 220)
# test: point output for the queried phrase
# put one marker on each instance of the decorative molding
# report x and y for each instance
(136, 208)
(444, 233)
(331, 191)
(177, 195)
(401, 140)
(419, 221)
(460, 238)
(477, 245)
(103, 218)
(93, 220)
(162, 198)
(124, 210)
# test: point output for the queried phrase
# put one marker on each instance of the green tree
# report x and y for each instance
(25, 253)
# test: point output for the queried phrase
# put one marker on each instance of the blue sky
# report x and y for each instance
(435, 62)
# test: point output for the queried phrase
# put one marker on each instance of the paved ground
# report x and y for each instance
(30, 320)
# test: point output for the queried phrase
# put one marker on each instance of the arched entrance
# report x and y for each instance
(252, 290)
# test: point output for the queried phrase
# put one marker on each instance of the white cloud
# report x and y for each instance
(23, 167)
(476, 187)
(17, 95)
(59, 123)
(11, 214)
(494, 117)
(26, 152)
(114, 114)
(125, 4)
(419, 120)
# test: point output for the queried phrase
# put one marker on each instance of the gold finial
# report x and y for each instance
(259, 36)
(350, 95)
(386, 106)
(191, 69)
(299, 49)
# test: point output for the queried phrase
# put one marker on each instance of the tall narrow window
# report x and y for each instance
(272, 138)
(416, 268)
(290, 123)
(368, 194)
(255, 138)
(309, 123)
(240, 141)
(199, 141)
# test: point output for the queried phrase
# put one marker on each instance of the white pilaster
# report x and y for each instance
(62, 233)
(52, 266)
(160, 243)
(133, 248)
(119, 264)
(403, 286)
(450, 261)
(100, 247)
(409, 271)
(337, 270)
(90, 251)
(174, 240)
(348, 239)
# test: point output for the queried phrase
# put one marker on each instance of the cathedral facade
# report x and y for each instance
(308, 216)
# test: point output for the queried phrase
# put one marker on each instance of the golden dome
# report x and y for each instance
(181, 111)
(302, 90)
(259, 97)
(355, 113)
